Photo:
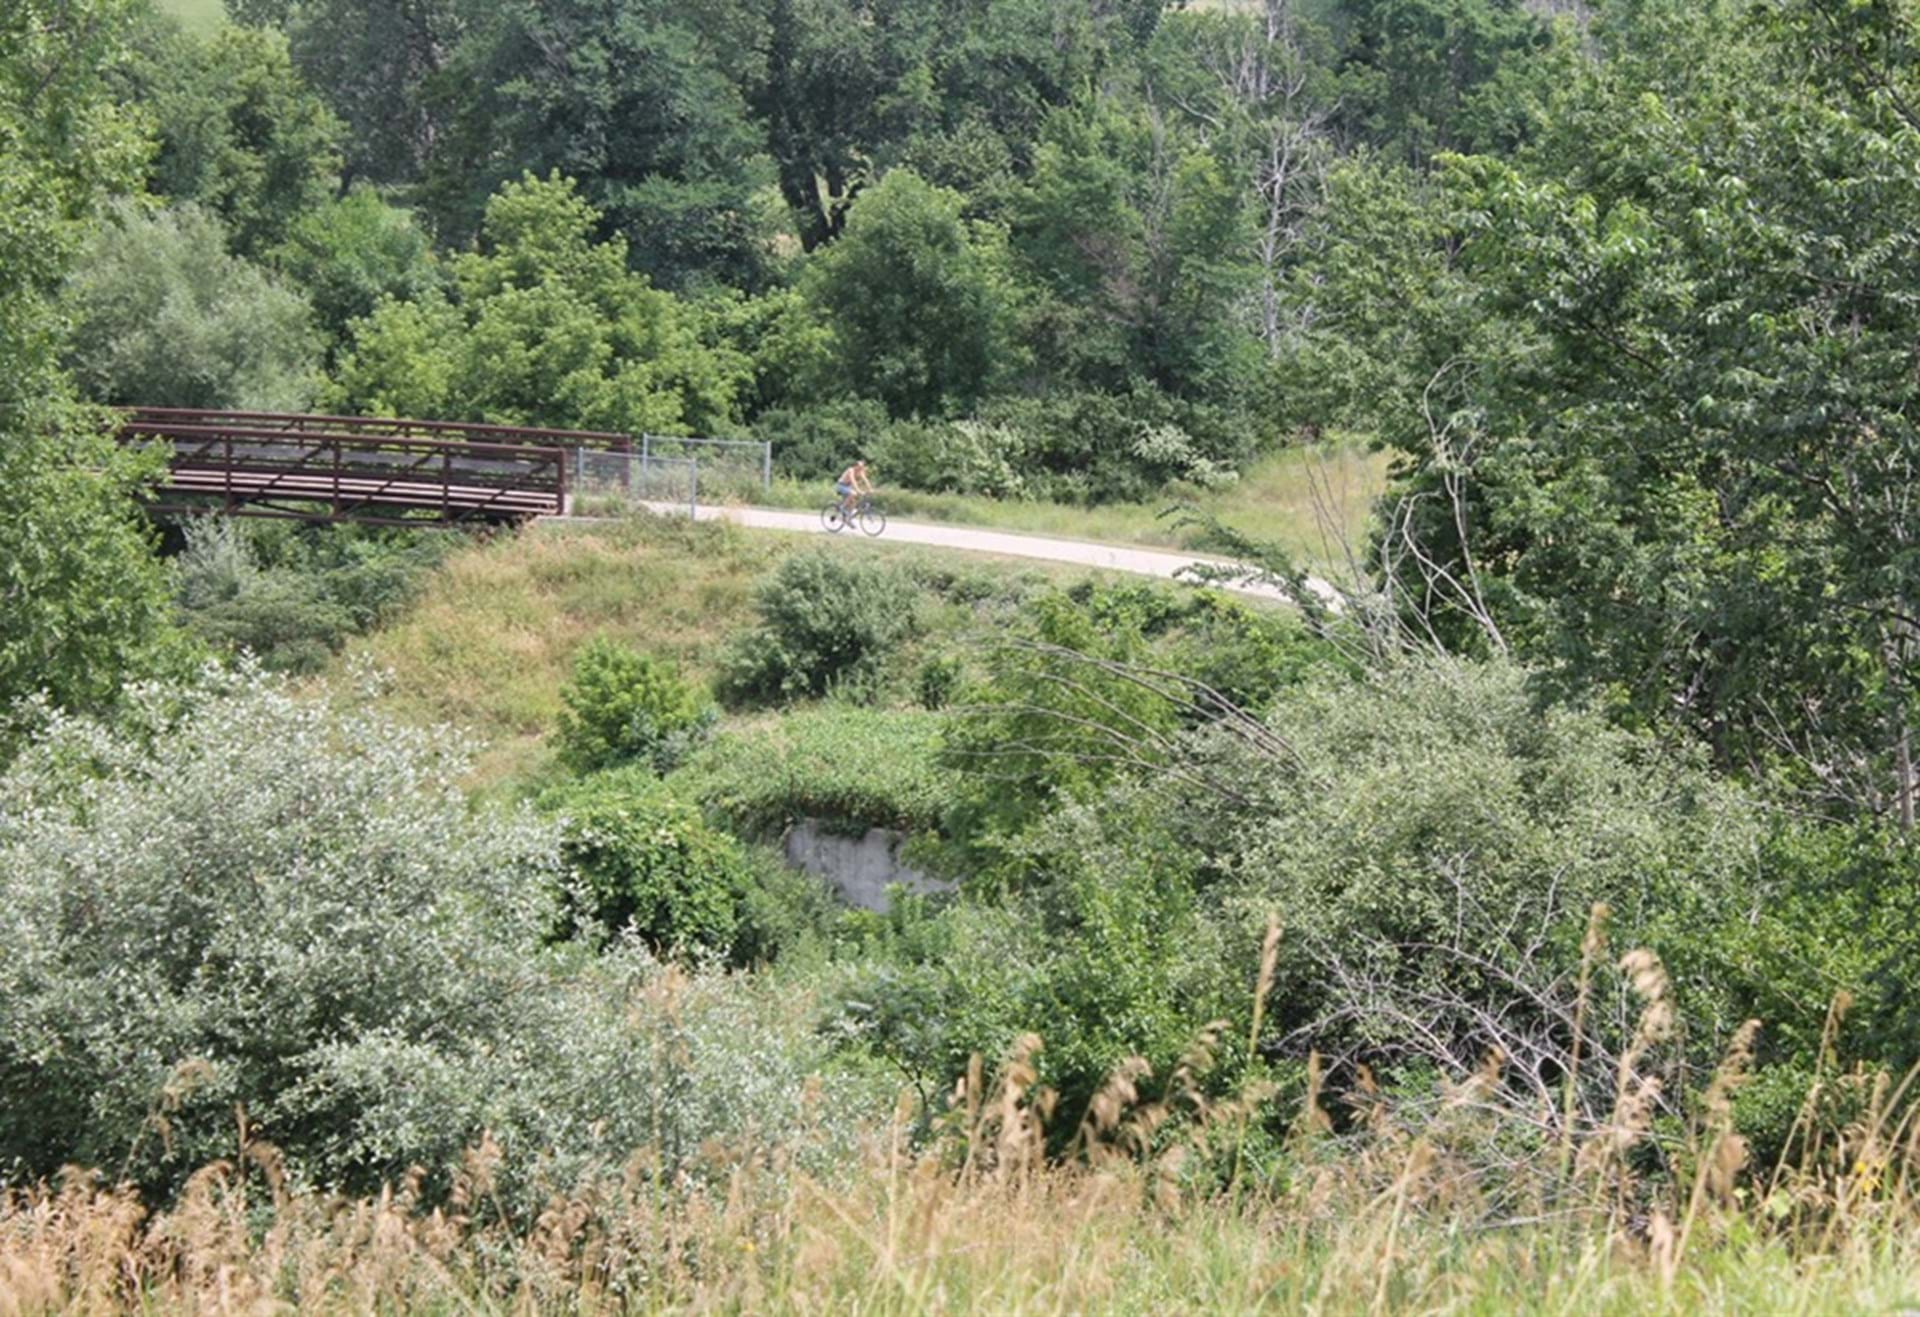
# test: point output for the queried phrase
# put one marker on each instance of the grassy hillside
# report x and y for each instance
(488, 642)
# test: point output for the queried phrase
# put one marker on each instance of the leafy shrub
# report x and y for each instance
(648, 863)
(1248, 653)
(817, 443)
(1435, 842)
(291, 595)
(1110, 960)
(938, 681)
(1056, 717)
(351, 252)
(1431, 841)
(223, 905)
(623, 705)
(958, 457)
(166, 318)
(848, 767)
(243, 900)
(1097, 447)
(825, 623)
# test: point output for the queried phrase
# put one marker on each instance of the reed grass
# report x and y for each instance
(1392, 1215)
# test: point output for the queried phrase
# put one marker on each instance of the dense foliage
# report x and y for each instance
(164, 316)
(625, 706)
(1052, 250)
(242, 901)
(85, 600)
(826, 624)
(649, 865)
(1602, 747)
(290, 594)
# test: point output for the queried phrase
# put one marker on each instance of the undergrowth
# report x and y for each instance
(1159, 1204)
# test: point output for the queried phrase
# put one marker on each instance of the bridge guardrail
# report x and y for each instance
(258, 470)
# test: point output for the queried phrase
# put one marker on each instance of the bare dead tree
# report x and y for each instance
(1269, 102)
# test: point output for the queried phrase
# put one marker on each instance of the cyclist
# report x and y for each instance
(851, 483)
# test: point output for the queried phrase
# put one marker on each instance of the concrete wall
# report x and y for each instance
(859, 868)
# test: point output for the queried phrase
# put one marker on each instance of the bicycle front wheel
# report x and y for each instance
(832, 519)
(872, 520)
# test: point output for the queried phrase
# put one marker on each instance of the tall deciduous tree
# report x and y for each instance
(84, 600)
(641, 101)
(546, 326)
(165, 316)
(238, 131)
(1140, 241)
(378, 63)
(1678, 459)
(921, 300)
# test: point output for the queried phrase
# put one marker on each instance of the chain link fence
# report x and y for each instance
(657, 470)
(729, 469)
(602, 483)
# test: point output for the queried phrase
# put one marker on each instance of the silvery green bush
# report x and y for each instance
(241, 900)
(1433, 843)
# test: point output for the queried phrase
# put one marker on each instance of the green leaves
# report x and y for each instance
(549, 328)
(165, 317)
(920, 300)
(624, 706)
(238, 131)
(84, 599)
(649, 865)
(1673, 412)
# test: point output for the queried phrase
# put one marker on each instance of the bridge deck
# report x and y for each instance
(348, 469)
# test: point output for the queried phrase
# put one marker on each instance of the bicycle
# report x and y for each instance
(870, 519)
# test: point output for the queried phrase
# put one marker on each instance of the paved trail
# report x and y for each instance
(1085, 553)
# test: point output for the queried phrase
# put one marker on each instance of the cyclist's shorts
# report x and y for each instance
(842, 488)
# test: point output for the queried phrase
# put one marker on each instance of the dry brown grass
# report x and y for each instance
(1388, 1227)
(1396, 1215)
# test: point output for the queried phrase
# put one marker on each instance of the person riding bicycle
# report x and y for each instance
(852, 482)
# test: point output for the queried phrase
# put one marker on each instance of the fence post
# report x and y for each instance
(766, 466)
(693, 489)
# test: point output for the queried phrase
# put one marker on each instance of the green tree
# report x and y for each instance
(239, 131)
(920, 299)
(951, 90)
(165, 317)
(380, 65)
(1141, 243)
(84, 597)
(1421, 77)
(1670, 457)
(350, 252)
(639, 100)
(545, 327)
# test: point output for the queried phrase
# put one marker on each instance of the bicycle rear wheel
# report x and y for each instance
(832, 519)
(872, 520)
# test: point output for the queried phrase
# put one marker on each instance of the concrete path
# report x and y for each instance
(971, 539)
